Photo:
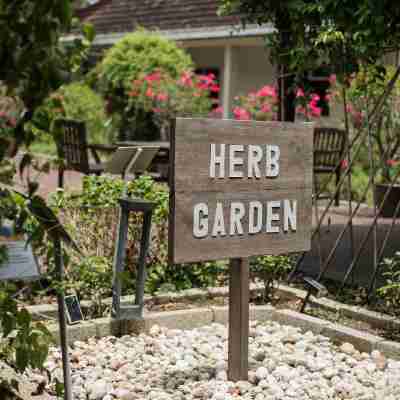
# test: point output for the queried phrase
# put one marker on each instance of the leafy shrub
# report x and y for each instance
(76, 101)
(23, 343)
(270, 270)
(125, 76)
(390, 291)
(91, 216)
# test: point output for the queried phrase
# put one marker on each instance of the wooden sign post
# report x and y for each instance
(239, 189)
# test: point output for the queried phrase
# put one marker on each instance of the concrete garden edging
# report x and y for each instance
(375, 319)
(196, 317)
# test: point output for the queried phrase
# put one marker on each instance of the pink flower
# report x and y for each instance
(344, 164)
(241, 114)
(266, 108)
(219, 110)
(186, 79)
(315, 111)
(332, 79)
(202, 86)
(149, 93)
(315, 98)
(214, 88)
(162, 97)
(154, 77)
(300, 92)
(267, 91)
(391, 163)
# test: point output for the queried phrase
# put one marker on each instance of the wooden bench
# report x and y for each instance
(329, 146)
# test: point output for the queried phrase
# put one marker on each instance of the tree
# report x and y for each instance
(310, 32)
(33, 63)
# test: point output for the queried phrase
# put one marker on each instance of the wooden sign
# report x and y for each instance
(239, 188)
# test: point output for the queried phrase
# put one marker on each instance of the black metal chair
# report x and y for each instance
(329, 146)
(73, 149)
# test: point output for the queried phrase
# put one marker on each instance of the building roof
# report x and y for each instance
(117, 16)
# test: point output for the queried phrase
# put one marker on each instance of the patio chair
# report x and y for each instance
(329, 146)
(73, 148)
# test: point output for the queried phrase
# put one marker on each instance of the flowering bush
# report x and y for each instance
(261, 105)
(308, 105)
(142, 78)
(167, 97)
(364, 89)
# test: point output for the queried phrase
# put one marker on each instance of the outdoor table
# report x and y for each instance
(160, 164)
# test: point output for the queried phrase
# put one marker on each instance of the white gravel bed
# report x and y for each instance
(285, 364)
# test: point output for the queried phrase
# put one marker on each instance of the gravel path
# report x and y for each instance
(285, 364)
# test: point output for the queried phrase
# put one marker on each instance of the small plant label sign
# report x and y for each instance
(20, 263)
(239, 188)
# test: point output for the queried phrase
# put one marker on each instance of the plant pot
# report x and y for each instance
(392, 199)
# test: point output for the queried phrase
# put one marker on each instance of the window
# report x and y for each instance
(318, 82)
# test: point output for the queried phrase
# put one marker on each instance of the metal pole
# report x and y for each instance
(62, 320)
(144, 246)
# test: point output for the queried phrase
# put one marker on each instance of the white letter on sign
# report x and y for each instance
(237, 213)
(234, 160)
(214, 159)
(271, 216)
(200, 220)
(219, 224)
(254, 157)
(255, 226)
(289, 215)
(273, 154)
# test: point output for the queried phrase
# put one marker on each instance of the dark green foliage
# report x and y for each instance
(270, 270)
(33, 63)
(23, 343)
(390, 291)
(331, 31)
(91, 217)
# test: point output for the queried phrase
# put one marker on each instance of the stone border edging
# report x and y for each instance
(375, 319)
(194, 318)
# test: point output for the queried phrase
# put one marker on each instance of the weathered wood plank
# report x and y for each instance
(238, 352)
(192, 152)
(205, 189)
(187, 248)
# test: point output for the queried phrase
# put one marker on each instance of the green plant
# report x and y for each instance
(91, 216)
(270, 270)
(167, 97)
(33, 63)
(390, 291)
(23, 343)
(128, 61)
(364, 89)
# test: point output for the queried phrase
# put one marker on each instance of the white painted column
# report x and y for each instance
(227, 84)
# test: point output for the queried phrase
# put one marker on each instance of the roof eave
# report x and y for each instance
(221, 32)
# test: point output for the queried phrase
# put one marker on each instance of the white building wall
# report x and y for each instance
(251, 68)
